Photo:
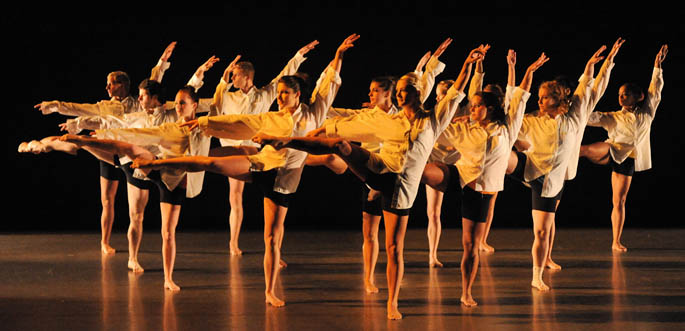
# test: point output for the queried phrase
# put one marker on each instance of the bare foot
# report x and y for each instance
(434, 263)
(135, 267)
(618, 247)
(273, 300)
(171, 286)
(370, 288)
(282, 264)
(552, 265)
(540, 285)
(265, 139)
(468, 301)
(345, 149)
(236, 251)
(484, 247)
(393, 312)
(107, 249)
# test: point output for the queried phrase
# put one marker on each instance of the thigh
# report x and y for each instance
(620, 184)
(237, 167)
(436, 175)
(395, 229)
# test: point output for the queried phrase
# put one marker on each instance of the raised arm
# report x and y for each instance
(163, 64)
(583, 93)
(465, 73)
(197, 80)
(433, 68)
(657, 82)
(602, 80)
(511, 68)
(517, 105)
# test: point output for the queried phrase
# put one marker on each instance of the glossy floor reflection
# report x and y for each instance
(61, 282)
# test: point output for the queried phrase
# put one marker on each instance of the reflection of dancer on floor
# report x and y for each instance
(484, 140)
(247, 99)
(396, 169)
(277, 173)
(120, 102)
(550, 135)
(627, 149)
(381, 93)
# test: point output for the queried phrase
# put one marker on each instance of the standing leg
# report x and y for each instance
(552, 232)
(108, 192)
(542, 223)
(170, 214)
(471, 239)
(235, 217)
(370, 248)
(137, 200)
(274, 218)
(433, 210)
(488, 223)
(395, 230)
(620, 184)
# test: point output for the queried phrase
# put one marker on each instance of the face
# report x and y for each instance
(377, 95)
(114, 89)
(626, 98)
(146, 101)
(405, 94)
(440, 92)
(286, 96)
(240, 78)
(546, 101)
(185, 106)
(478, 110)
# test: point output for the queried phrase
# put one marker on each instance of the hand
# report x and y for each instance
(477, 53)
(423, 61)
(191, 125)
(441, 49)
(511, 57)
(39, 106)
(206, 66)
(367, 105)
(304, 50)
(464, 118)
(140, 163)
(63, 126)
(168, 51)
(661, 56)
(316, 132)
(347, 43)
(597, 56)
(538, 63)
(614, 49)
(229, 69)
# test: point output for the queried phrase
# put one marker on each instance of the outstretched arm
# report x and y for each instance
(511, 64)
(163, 63)
(346, 44)
(197, 80)
(528, 77)
(657, 83)
(433, 68)
(465, 73)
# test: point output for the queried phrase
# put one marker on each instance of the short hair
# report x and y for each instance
(559, 91)
(493, 103)
(153, 88)
(121, 78)
(246, 67)
(191, 92)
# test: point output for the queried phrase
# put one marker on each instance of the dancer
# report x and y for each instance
(396, 169)
(551, 135)
(120, 102)
(484, 140)
(247, 99)
(627, 149)
(277, 173)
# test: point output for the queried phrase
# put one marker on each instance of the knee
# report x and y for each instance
(107, 201)
(433, 216)
(136, 217)
(370, 237)
(168, 235)
(269, 241)
(619, 200)
(541, 234)
(393, 251)
(236, 201)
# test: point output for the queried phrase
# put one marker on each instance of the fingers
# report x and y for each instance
(38, 105)
(441, 49)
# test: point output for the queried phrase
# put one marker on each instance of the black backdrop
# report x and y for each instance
(65, 58)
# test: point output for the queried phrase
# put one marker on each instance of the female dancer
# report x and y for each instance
(484, 140)
(551, 134)
(396, 169)
(277, 173)
(627, 149)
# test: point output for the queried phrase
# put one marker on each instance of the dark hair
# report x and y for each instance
(387, 83)
(637, 92)
(121, 78)
(153, 88)
(493, 103)
(299, 83)
(497, 90)
(191, 92)
(246, 67)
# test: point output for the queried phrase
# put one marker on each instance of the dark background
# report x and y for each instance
(68, 58)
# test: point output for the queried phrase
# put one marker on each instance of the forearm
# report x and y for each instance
(186, 163)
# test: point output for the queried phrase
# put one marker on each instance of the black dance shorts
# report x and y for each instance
(627, 167)
(265, 180)
(139, 183)
(538, 201)
(175, 197)
(110, 172)
(474, 205)
(372, 207)
(385, 183)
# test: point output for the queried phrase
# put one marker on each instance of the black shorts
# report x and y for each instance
(265, 181)
(110, 172)
(139, 183)
(372, 207)
(627, 167)
(538, 201)
(385, 183)
(175, 197)
(474, 205)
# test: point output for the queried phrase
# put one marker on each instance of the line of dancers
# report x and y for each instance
(466, 145)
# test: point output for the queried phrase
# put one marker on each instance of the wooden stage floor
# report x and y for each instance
(54, 281)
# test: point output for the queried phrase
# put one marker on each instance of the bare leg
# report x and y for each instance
(552, 232)
(433, 210)
(542, 222)
(436, 175)
(108, 193)
(170, 214)
(332, 161)
(472, 233)
(395, 230)
(46, 145)
(274, 218)
(370, 248)
(620, 184)
(237, 167)
(137, 200)
(235, 217)
(484, 247)
(597, 152)
(281, 262)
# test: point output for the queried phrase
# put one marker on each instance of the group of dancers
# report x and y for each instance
(466, 145)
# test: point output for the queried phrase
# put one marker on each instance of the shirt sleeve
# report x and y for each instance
(158, 71)
(600, 85)
(218, 98)
(324, 94)
(604, 120)
(654, 91)
(447, 107)
(580, 100)
(476, 84)
(268, 92)
(433, 68)
(102, 108)
(369, 127)
(245, 126)
(517, 107)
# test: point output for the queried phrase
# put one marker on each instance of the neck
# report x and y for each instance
(385, 106)
(409, 111)
(247, 87)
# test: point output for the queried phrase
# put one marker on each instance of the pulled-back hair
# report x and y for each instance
(493, 102)
(299, 83)
(387, 83)
(637, 92)
(497, 90)
(191, 92)
(414, 84)
(121, 78)
(153, 88)
(560, 91)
